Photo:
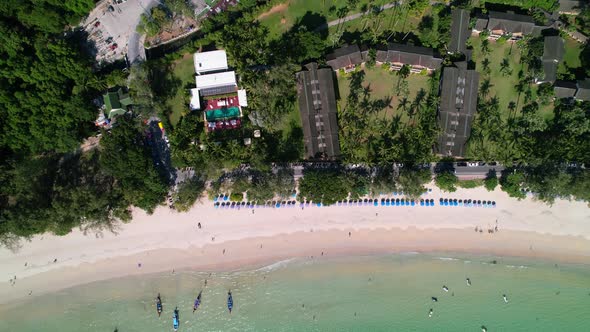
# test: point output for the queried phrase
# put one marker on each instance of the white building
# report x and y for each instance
(207, 62)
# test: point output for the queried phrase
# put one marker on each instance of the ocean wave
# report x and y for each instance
(517, 267)
(409, 253)
(275, 266)
(447, 259)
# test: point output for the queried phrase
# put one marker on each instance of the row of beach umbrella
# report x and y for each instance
(358, 202)
(467, 202)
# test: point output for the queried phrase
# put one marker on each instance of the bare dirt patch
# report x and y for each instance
(275, 9)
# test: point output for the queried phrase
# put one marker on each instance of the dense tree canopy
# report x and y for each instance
(447, 181)
(44, 79)
(126, 156)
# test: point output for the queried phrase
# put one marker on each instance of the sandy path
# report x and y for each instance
(275, 9)
(167, 240)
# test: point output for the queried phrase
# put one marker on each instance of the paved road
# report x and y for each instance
(358, 15)
(160, 150)
(478, 171)
(135, 50)
(354, 16)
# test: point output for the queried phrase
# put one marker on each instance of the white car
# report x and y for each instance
(472, 164)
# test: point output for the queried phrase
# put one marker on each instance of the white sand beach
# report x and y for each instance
(233, 239)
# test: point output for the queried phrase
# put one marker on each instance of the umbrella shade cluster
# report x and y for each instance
(254, 204)
(467, 202)
(221, 198)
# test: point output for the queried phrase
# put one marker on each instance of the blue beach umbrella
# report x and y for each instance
(382, 201)
(387, 202)
(375, 203)
(412, 203)
(421, 202)
(431, 202)
(319, 204)
(397, 202)
(225, 198)
(339, 203)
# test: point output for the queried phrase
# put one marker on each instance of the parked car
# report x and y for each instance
(462, 164)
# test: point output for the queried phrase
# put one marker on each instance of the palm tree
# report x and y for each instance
(484, 90)
(511, 108)
(486, 65)
(505, 67)
(485, 47)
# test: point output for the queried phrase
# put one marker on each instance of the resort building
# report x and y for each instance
(564, 89)
(116, 102)
(509, 24)
(208, 62)
(583, 90)
(418, 58)
(346, 58)
(553, 51)
(318, 110)
(216, 92)
(458, 106)
(460, 31)
(579, 90)
(571, 7)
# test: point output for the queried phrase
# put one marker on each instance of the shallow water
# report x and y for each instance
(377, 293)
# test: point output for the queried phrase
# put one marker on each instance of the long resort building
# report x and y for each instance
(216, 92)
(458, 106)
(317, 107)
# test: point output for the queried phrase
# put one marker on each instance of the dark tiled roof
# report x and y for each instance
(571, 6)
(553, 48)
(458, 106)
(410, 55)
(481, 24)
(317, 107)
(459, 30)
(510, 23)
(344, 57)
(564, 89)
(583, 92)
(218, 90)
(550, 71)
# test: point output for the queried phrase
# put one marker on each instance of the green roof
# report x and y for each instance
(116, 99)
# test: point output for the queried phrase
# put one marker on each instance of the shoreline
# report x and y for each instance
(167, 240)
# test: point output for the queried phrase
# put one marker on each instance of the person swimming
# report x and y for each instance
(434, 299)
(445, 288)
(430, 313)
(468, 282)
(505, 298)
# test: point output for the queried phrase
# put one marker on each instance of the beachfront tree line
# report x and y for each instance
(47, 88)
(46, 98)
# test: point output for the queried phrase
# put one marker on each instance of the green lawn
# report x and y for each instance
(183, 69)
(571, 58)
(382, 84)
(393, 19)
(282, 17)
(503, 87)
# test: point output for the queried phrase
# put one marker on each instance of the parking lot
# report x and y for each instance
(111, 24)
(111, 28)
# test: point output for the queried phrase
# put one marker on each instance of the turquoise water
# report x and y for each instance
(381, 293)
